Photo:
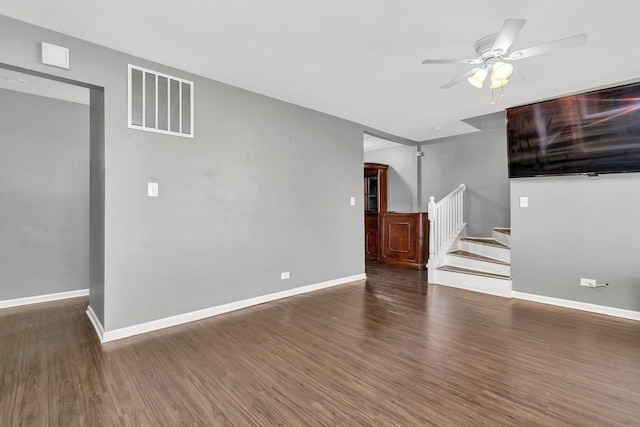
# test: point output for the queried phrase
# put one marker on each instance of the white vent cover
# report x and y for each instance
(160, 103)
(56, 56)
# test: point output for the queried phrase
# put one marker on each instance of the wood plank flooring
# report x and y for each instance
(391, 351)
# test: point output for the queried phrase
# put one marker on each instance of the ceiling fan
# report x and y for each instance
(492, 54)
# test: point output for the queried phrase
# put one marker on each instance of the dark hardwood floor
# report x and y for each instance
(391, 351)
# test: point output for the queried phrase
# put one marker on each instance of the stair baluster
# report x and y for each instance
(446, 222)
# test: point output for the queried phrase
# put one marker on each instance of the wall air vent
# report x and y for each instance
(160, 103)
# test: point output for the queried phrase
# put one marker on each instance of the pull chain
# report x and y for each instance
(493, 102)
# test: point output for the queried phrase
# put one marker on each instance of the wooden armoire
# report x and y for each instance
(395, 238)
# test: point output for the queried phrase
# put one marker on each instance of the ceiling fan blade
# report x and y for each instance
(459, 79)
(566, 43)
(452, 61)
(516, 76)
(507, 34)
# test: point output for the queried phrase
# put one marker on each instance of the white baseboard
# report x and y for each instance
(95, 322)
(43, 298)
(593, 308)
(154, 325)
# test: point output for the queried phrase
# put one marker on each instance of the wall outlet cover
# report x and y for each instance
(589, 283)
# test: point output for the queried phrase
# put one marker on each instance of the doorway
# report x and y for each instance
(48, 127)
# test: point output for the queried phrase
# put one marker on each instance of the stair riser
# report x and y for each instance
(474, 264)
(470, 282)
(503, 238)
(502, 254)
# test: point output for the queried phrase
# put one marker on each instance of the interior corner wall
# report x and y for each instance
(263, 188)
(401, 176)
(44, 195)
(479, 160)
(96, 204)
(577, 227)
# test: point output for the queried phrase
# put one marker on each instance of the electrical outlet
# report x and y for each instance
(589, 283)
(285, 275)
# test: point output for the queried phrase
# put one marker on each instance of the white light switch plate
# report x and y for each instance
(353, 201)
(524, 202)
(152, 189)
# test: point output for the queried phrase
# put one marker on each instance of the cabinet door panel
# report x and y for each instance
(404, 239)
(400, 237)
(371, 245)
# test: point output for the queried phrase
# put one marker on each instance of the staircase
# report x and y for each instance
(478, 264)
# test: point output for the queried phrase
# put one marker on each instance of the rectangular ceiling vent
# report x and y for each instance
(160, 103)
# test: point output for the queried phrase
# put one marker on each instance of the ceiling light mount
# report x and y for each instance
(484, 48)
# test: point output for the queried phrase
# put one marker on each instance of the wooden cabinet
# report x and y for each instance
(371, 240)
(394, 238)
(375, 203)
(404, 239)
(375, 187)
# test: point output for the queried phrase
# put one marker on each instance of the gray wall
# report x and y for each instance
(479, 160)
(577, 227)
(264, 187)
(96, 203)
(44, 195)
(401, 177)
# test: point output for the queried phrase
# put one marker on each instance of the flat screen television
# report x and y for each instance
(593, 133)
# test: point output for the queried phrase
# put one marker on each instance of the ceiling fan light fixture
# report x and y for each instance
(477, 79)
(501, 71)
(496, 84)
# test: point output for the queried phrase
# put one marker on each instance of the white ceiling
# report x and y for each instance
(360, 59)
(372, 143)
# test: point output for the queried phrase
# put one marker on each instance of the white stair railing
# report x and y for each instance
(446, 221)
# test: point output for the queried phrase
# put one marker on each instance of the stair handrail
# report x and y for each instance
(446, 221)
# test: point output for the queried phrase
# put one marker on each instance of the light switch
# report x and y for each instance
(353, 201)
(524, 202)
(152, 189)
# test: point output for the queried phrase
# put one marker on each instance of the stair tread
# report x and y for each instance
(471, 255)
(473, 272)
(503, 230)
(484, 241)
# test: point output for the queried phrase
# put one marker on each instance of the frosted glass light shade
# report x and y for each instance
(478, 78)
(501, 70)
(495, 84)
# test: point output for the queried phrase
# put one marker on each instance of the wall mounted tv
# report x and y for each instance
(592, 133)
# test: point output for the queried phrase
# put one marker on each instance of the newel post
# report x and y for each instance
(431, 210)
